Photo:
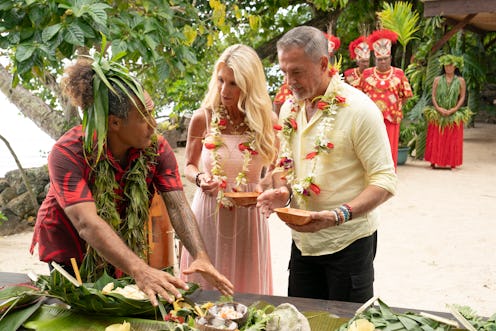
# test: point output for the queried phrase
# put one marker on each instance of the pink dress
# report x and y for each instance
(237, 240)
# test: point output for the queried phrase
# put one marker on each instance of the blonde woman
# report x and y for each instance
(230, 141)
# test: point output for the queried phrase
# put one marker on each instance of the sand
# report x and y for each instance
(437, 243)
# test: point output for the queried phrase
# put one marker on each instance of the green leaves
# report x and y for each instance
(90, 299)
(108, 73)
(386, 319)
(49, 318)
(400, 18)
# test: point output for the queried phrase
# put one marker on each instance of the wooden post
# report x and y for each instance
(160, 235)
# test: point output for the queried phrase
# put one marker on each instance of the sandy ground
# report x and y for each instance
(437, 242)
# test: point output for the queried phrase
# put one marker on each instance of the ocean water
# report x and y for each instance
(30, 143)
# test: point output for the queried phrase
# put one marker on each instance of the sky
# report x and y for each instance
(28, 141)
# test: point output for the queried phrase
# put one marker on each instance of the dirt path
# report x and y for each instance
(437, 242)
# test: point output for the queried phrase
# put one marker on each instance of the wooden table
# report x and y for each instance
(339, 308)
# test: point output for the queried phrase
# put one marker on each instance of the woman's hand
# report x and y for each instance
(208, 185)
(211, 275)
(271, 199)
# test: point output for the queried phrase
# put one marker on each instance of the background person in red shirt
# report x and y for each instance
(386, 85)
(102, 183)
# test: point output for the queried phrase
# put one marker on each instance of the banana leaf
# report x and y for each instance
(90, 299)
(17, 296)
(384, 318)
(49, 318)
(323, 321)
(14, 320)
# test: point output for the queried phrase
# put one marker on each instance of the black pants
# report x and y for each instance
(347, 275)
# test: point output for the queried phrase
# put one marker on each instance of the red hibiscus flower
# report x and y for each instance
(340, 99)
(321, 105)
(311, 155)
(210, 146)
(293, 124)
(245, 147)
(314, 188)
(283, 161)
(222, 122)
(330, 145)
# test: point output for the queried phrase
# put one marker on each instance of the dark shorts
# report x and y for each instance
(347, 275)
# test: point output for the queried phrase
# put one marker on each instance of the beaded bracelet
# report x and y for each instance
(337, 217)
(347, 206)
(346, 213)
(197, 178)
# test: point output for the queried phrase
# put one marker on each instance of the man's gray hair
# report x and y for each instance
(312, 40)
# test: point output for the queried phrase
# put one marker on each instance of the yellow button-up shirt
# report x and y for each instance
(361, 156)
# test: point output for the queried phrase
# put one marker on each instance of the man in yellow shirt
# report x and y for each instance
(335, 161)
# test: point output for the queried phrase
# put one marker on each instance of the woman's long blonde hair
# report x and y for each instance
(254, 100)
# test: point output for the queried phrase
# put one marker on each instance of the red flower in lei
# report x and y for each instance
(329, 105)
(214, 142)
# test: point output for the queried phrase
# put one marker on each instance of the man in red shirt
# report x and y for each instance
(102, 183)
(386, 85)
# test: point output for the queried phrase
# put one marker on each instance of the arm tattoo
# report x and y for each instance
(184, 222)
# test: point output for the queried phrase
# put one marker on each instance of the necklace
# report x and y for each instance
(214, 142)
(236, 128)
(329, 104)
(383, 80)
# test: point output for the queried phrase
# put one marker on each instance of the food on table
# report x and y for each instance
(361, 325)
(287, 317)
(119, 327)
(129, 291)
(212, 323)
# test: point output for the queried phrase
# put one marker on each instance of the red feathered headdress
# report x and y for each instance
(333, 43)
(359, 49)
(381, 40)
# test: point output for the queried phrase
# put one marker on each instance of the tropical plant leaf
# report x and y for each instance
(15, 319)
(90, 299)
(17, 295)
(385, 319)
(400, 18)
(49, 318)
(323, 321)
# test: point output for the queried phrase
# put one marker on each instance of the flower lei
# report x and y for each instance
(329, 105)
(214, 142)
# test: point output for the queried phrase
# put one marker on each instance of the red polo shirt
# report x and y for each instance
(69, 172)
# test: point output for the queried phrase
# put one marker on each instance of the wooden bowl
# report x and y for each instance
(243, 199)
(293, 215)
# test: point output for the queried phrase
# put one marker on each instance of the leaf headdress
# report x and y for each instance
(108, 73)
(447, 59)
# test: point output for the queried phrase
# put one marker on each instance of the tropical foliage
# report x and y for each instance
(171, 45)
(402, 19)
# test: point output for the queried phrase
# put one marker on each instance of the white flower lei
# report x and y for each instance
(218, 123)
(329, 104)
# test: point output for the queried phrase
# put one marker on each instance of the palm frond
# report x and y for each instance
(400, 18)
(108, 73)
